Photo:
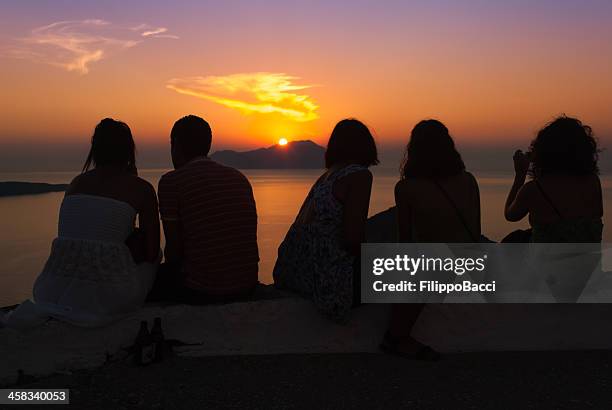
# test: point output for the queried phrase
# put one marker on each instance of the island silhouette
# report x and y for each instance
(294, 155)
(12, 188)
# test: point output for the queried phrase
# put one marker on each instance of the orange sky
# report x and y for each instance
(491, 72)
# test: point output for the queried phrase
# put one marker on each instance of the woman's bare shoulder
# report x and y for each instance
(404, 188)
(78, 183)
(470, 179)
(142, 185)
(138, 192)
(468, 175)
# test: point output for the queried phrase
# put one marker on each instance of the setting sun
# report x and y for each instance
(282, 141)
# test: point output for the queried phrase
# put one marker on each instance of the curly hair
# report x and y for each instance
(431, 152)
(565, 146)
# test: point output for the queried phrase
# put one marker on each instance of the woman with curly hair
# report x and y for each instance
(438, 201)
(563, 198)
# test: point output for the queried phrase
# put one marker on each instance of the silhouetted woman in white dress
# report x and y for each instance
(99, 270)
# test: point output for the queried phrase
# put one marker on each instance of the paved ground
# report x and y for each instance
(571, 380)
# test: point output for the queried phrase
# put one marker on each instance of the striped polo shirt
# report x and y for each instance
(216, 212)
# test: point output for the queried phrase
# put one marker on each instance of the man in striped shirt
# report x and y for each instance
(210, 222)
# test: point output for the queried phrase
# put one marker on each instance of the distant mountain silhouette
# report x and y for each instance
(29, 188)
(294, 155)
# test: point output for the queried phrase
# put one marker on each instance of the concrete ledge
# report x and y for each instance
(292, 325)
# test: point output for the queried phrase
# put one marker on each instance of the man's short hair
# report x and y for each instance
(192, 134)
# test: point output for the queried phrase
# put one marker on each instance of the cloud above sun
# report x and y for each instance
(75, 45)
(252, 93)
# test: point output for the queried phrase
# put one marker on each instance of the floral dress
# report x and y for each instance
(311, 259)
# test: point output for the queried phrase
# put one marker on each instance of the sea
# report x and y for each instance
(28, 223)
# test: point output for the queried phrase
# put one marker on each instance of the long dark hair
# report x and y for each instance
(565, 146)
(431, 152)
(112, 144)
(351, 140)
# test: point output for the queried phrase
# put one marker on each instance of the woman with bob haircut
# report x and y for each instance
(564, 198)
(319, 257)
(99, 270)
(437, 201)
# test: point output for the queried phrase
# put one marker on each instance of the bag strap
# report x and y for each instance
(457, 211)
(547, 199)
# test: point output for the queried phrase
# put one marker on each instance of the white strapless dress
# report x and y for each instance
(90, 278)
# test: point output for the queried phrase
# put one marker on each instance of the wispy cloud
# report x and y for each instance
(263, 93)
(146, 30)
(74, 45)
